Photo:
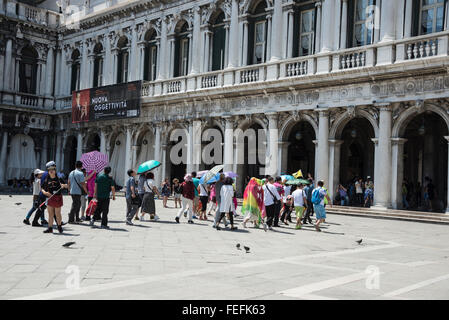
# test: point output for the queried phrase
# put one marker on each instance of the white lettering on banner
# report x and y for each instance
(101, 99)
(109, 106)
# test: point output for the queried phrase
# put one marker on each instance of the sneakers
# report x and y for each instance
(26, 221)
(269, 228)
(36, 224)
(48, 230)
(190, 221)
(129, 223)
(195, 217)
(218, 228)
(156, 217)
(177, 220)
(265, 227)
(91, 223)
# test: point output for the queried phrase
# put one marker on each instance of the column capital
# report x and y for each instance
(399, 141)
(375, 141)
(318, 4)
(383, 106)
(336, 143)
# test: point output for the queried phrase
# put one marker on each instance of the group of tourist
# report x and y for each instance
(91, 194)
(357, 193)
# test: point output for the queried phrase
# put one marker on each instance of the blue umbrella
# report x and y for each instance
(147, 166)
(287, 177)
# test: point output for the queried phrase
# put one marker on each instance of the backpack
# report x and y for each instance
(316, 196)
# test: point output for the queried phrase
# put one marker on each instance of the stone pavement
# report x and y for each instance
(165, 260)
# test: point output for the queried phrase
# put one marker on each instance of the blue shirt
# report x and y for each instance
(196, 182)
(76, 178)
(130, 183)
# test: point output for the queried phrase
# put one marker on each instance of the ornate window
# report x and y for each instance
(182, 50)
(258, 33)
(218, 42)
(122, 60)
(431, 16)
(150, 62)
(307, 32)
(28, 70)
(75, 83)
(98, 66)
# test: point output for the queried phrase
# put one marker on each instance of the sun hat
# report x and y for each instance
(38, 171)
(50, 165)
(188, 177)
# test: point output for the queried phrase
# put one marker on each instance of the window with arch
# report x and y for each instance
(98, 65)
(257, 33)
(431, 16)
(218, 42)
(28, 70)
(182, 50)
(76, 63)
(360, 13)
(150, 61)
(122, 60)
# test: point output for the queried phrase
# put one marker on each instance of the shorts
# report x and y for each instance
(320, 212)
(299, 211)
(178, 196)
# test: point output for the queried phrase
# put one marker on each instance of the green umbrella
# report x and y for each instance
(148, 166)
(297, 181)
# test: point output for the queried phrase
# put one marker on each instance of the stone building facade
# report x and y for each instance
(342, 88)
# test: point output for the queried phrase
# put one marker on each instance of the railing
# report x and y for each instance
(421, 49)
(174, 86)
(32, 14)
(249, 75)
(209, 81)
(298, 68)
(352, 60)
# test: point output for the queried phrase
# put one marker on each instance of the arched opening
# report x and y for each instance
(211, 148)
(93, 143)
(146, 143)
(357, 151)
(76, 63)
(21, 157)
(182, 47)
(425, 162)
(218, 41)
(117, 159)
(71, 149)
(98, 65)
(301, 149)
(122, 60)
(176, 170)
(257, 33)
(28, 70)
(150, 61)
(252, 165)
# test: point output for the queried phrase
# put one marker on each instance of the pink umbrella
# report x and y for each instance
(94, 161)
(199, 174)
(231, 174)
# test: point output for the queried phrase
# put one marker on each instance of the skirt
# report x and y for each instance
(55, 201)
(148, 205)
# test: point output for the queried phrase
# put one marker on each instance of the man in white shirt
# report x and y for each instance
(271, 196)
(300, 203)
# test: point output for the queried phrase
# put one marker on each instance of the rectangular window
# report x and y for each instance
(184, 56)
(153, 62)
(431, 16)
(363, 13)
(125, 67)
(307, 32)
(259, 42)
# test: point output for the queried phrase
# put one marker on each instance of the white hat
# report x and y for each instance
(50, 164)
(38, 171)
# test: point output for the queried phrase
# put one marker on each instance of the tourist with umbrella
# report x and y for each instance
(149, 188)
(104, 185)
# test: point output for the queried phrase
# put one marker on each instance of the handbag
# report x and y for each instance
(83, 193)
(275, 200)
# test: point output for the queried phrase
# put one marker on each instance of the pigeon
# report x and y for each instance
(246, 249)
(10, 196)
(68, 244)
(18, 203)
(359, 241)
(238, 246)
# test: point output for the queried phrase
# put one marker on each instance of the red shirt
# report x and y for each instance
(188, 190)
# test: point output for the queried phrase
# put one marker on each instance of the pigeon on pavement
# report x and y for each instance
(359, 241)
(246, 249)
(238, 246)
(68, 244)
(18, 203)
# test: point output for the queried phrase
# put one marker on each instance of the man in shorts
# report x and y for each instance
(318, 196)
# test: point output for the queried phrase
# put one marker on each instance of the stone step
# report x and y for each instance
(392, 211)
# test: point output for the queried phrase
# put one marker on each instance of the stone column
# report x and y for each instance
(8, 66)
(206, 55)
(79, 145)
(382, 186)
(49, 73)
(171, 55)
(164, 162)
(328, 26)
(344, 24)
(102, 141)
(128, 152)
(108, 63)
(114, 65)
(447, 199)
(63, 150)
(133, 57)
(283, 157)
(189, 164)
(318, 27)
(38, 77)
(408, 18)
(57, 73)
(334, 165)
(196, 50)
(90, 68)
(245, 43)
(44, 153)
(290, 34)
(323, 147)
(226, 54)
(397, 171)
(163, 51)
(229, 144)
(3, 156)
(196, 155)
(269, 35)
(271, 163)
(338, 22)
(387, 21)
(276, 34)
(157, 154)
(84, 67)
(233, 39)
(189, 66)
